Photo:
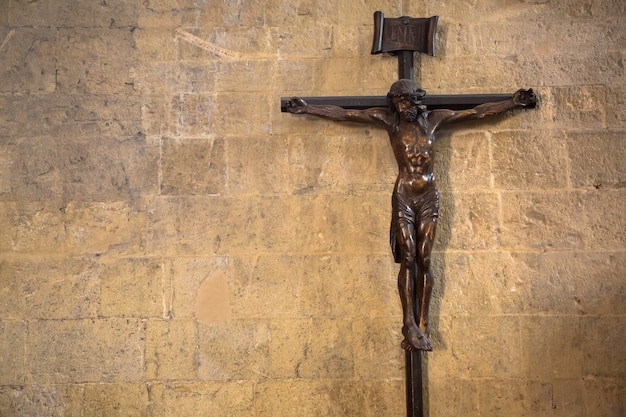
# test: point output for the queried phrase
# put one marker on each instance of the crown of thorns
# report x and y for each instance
(406, 88)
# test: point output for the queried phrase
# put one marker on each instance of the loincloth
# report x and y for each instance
(411, 210)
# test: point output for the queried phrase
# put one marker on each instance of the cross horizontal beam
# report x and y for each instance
(452, 102)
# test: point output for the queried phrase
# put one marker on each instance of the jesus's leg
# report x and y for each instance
(414, 337)
(426, 236)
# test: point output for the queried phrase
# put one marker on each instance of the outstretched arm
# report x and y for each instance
(375, 115)
(522, 98)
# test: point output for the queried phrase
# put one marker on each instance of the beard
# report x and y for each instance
(410, 115)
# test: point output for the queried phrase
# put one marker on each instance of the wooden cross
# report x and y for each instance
(402, 37)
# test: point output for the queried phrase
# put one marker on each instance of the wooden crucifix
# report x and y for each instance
(411, 119)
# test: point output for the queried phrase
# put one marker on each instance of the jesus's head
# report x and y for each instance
(405, 97)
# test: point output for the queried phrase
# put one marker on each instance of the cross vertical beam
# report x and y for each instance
(414, 390)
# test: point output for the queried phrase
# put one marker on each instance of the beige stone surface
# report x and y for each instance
(49, 400)
(12, 363)
(132, 288)
(171, 350)
(116, 400)
(560, 341)
(49, 289)
(237, 350)
(87, 350)
(532, 220)
(198, 398)
(171, 244)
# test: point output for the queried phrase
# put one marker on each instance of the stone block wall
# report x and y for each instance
(174, 245)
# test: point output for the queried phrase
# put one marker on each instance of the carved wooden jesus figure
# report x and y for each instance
(415, 200)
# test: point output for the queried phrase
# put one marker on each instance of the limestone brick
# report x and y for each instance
(32, 227)
(375, 290)
(159, 115)
(537, 38)
(192, 166)
(577, 107)
(172, 77)
(235, 350)
(164, 14)
(156, 45)
(533, 220)
(472, 217)
(171, 349)
(604, 397)
(348, 160)
(463, 161)
(58, 400)
(464, 74)
(12, 367)
(132, 288)
(378, 397)
(116, 400)
(76, 116)
(333, 80)
(91, 350)
(377, 351)
(293, 287)
(49, 289)
(29, 64)
(499, 356)
(201, 225)
(563, 10)
(197, 398)
(453, 394)
(560, 340)
(301, 13)
(604, 215)
(529, 160)
(616, 115)
(234, 116)
(99, 228)
(606, 68)
(92, 74)
(4, 12)
(316, 234)
(28, 14)
(293, 76)
(355, 41)
(308, 398)
(599, 166)
(484, 283)
(354, 14)
(256, 75)
(311, 349)
(517, 397)
(81, 170)
(239, 14)
(568, 398)
(249, 159)
(306, 42)
(187, 276)
(555, 290)
(603, 343)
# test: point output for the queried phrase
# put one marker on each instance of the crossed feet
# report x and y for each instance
(414, 339)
